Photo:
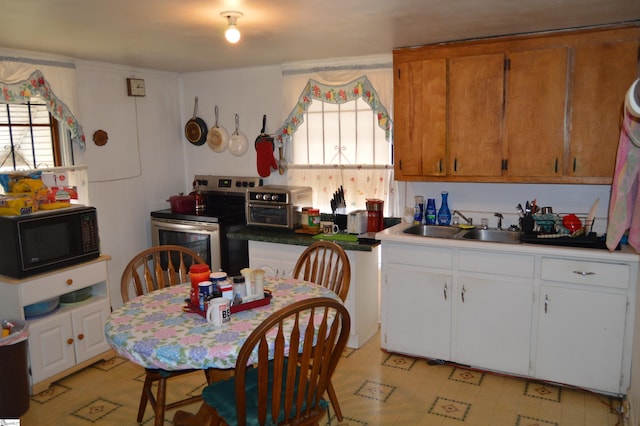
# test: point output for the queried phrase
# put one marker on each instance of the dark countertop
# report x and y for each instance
(285, 236)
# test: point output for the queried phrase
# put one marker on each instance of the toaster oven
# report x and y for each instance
(277, 206)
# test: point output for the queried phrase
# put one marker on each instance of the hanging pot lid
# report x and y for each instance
(217, 137)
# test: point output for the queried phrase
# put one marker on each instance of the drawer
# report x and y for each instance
(58, 283)
(513, 265)
(600, 274)
(418, 255)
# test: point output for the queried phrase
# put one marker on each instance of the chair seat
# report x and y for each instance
(221, 396)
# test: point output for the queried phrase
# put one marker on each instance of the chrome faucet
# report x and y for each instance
(500, 217)
(469, 221)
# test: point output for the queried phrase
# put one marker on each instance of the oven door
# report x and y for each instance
(271, 215)
(201, 237)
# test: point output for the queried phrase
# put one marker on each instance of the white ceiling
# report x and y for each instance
(187, 35)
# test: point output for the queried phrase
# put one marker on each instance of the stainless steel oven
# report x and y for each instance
(206, 232)
(277, 206)
(201, 237)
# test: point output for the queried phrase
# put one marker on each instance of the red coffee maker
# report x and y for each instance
(375, 218)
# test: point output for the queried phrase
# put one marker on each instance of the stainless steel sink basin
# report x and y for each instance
(433, 231)
(492, 235)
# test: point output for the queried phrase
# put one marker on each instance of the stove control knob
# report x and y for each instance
(274, 197)
(266, 197)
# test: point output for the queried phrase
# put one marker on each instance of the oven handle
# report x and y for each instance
(190, 226)
(268, 206)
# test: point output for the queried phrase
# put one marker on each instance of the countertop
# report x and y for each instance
(394, 233)
(285, 236)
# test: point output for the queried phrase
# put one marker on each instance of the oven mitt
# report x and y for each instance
(266, 160)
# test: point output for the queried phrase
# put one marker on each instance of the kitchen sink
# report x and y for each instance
(433, 231)
(493, 235)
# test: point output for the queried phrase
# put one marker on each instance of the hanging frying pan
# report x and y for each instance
(218, 137)
(196, 129)
(238, 143)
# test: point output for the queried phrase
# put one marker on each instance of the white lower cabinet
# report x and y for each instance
(581, 324)
(560, 318)
(362, 300)
(62, 340)
(70, 337)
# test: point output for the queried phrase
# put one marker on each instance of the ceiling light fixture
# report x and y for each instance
(232, 34)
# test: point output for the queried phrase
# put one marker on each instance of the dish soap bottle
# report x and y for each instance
(431, 211)
(418, 210)
(444, 214)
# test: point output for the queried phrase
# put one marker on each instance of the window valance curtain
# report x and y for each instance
(335, 94)
(20, 81)
(369, 78)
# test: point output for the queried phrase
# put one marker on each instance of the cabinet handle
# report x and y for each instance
(455, 165)
(69, 281)
(69, 341)
(575, 162)
(445, 291)
(440, 166)
(80, 336)
(556, 166)
(546, 303)
(464, 290)
(583, 273)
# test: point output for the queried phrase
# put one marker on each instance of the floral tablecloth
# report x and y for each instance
(153, 331)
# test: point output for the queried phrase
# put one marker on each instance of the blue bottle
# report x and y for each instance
(444, 214)
(431, 212)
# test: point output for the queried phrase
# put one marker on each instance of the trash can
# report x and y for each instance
(14, 373)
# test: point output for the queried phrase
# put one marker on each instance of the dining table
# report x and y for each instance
(154, 331)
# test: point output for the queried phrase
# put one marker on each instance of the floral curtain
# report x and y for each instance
(340, 84)
(17, 88)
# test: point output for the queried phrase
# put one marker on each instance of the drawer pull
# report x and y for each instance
(445, 291)
(69, 281)
(69, 341)
(80, 336)
(583, 273)
(464, 290)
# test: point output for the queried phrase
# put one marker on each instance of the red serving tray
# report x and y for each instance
(234, 308)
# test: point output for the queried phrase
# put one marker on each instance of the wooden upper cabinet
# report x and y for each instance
(475, 114)
(420, 94)
(602, 74)
(536, 104)
(540, 108)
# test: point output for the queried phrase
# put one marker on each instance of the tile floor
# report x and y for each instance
(374, 387)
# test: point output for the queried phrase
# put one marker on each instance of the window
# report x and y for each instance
(340, 134)
(29, 136)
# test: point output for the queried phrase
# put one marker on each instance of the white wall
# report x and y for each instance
(141, 165)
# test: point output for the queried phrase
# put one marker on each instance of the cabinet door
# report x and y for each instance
(476, 104)
(535, 119)
(51, 346)
(602, 74)
(581, 337)
(416, 312)
(493, 323)
(420, 96)
(88, 330)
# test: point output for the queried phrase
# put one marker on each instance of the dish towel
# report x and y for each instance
(624, 208)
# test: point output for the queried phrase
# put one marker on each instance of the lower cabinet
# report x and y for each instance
(582, 309)
(557, 318)
(362, 301)
(70, 337)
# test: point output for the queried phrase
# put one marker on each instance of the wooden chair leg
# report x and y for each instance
(144, 398)
(334, 401)
(205, 416)
(160, 400)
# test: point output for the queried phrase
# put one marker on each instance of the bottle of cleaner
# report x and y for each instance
(431, 212)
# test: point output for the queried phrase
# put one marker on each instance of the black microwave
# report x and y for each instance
(47, 240)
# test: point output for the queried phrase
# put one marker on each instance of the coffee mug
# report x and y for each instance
(329, 228)
(219, 311)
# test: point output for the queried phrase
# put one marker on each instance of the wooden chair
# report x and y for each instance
(270, 386)
(153, 269)
(326, 263)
